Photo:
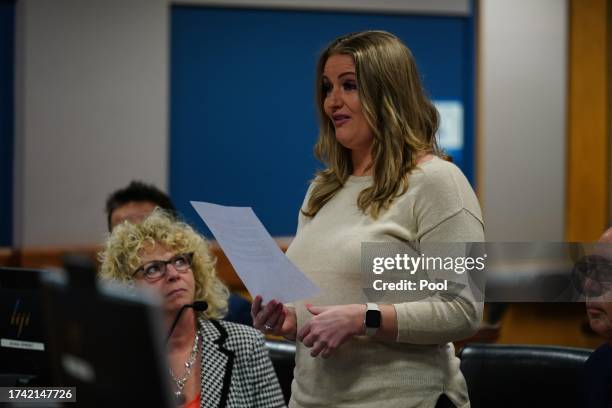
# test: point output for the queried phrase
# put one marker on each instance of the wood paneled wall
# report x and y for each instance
(588, 120)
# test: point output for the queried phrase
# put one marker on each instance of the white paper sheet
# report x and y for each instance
(256, 257)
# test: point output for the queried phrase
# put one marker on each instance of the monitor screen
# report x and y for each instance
(23, 349)
(106, 342)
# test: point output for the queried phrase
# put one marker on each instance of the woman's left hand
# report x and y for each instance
(330, 327)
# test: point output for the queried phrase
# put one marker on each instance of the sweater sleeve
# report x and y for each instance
(437, 320)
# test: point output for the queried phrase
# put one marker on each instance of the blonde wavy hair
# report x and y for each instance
(403, 121)
(121, 256)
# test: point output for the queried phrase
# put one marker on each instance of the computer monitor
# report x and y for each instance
(23, 348)
(106, 342)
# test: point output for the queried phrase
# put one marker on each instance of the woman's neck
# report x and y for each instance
(424, 157)
(185, 329)
(363, 165)
(362, 162)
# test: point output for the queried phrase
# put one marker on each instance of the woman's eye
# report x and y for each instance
(350, 85)
(178, 262)
(152, 269)
(326, 88)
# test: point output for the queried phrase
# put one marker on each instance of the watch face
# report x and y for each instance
(372, 318)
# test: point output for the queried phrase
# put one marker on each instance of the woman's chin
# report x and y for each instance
(175, 305)
(347, 140)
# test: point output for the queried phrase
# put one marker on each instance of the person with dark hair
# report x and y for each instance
(134, 203)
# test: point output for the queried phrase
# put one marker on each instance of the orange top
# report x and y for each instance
(195, 403)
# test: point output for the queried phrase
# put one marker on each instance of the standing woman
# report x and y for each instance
(385, 181)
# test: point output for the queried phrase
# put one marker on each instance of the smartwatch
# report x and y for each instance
(373, 319)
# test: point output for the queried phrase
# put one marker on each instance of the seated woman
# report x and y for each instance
(212, 363)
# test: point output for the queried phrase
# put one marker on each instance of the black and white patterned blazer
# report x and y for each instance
(236, 368)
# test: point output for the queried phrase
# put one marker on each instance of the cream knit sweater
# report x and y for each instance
(439, 206)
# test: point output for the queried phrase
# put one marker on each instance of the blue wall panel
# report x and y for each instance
(243, 122)
(7, 41)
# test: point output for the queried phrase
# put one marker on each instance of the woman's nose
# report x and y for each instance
(334, 98)
(171, 272)
(592, 288)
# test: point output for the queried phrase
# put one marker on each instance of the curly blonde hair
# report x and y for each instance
(121, 256)
(403, 120)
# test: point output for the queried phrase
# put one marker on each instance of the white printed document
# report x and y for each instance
(256, 257)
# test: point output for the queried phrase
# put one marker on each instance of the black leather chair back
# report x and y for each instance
(523, 376)
(282, 354)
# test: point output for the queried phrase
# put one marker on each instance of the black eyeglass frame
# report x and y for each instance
(164, 264)
(596, 268)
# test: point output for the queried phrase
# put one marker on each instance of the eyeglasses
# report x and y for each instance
(592, 275)
(155, 270)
